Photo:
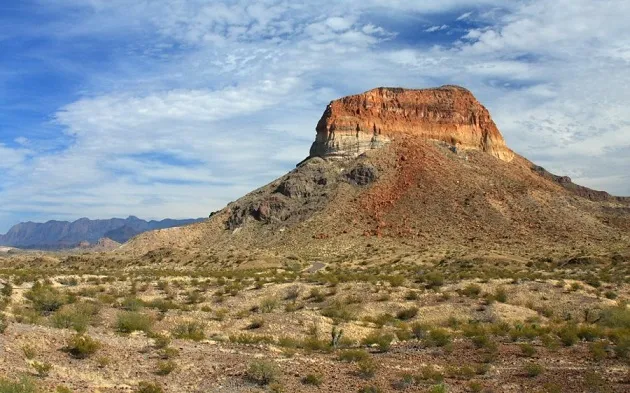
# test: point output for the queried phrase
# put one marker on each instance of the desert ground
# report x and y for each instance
(431, 321)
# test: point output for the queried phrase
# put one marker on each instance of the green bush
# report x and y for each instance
(438, 338)
(501, 295)
(75, 316)
(382, 341)
(367, 367)
(533, 369)
(190, 331)
(267, 305)
(42, 369)
(353, 355)
(165, 367)
(313, 379)
(82, 346)
(568, 335)
(339, 311)
(528, 350)
(131, 321)
(4, 324)
(262, 372)
(616, 317)
(471, 290)
(45, 298)
(148, 387)
(407, 314)
(434, 279)
(23, 385)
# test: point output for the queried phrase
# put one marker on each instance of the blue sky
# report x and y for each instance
(172, 108)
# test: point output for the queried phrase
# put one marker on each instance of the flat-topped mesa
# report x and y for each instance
(354, 124)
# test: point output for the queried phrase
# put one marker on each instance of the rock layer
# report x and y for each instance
(354, 124)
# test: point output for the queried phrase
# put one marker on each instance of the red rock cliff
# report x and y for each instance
(365, 121)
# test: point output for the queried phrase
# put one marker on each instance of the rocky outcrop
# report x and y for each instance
(354, 124)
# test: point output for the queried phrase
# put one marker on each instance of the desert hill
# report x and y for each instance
(412, 169)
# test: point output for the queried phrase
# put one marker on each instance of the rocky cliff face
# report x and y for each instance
(451, 114)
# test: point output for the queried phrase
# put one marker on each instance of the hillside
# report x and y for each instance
(415, 169)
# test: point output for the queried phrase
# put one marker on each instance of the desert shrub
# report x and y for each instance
(338, 311)
(190, 331)
(161, 340)
(103, 361)
(590, 332)
(439, 388)
(438, 337)
(594, 382)
(316, 295)
(162, 305)
(528, 350)
(75, 316)
(434, 279)
(407, 314)
(431, 374)
(4, 323)
(475, 386)
(396, 281)
(256, 323)
(404, 382)
(194, 297)
(45, 298)
(370, 389)
(165, 367)
(293, 293)
(382, 341)
(568, 335)
(23, 385)
(267, 305)
(471, 290)
(262, 372)
(249, 339)
(168, 353)
(81, 346)
(419, 330)
(533, 369)
(353, 355)
(7, 290)
(610, 295)
(481, 340)
(501, 295)
(367, 367)
(412, 295)
(616, 317)
(29, 351)
(42, 369)
(131, 321)
(313, 379)
(598, 350)
(148, 387)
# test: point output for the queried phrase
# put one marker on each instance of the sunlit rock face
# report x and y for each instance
(354, 124)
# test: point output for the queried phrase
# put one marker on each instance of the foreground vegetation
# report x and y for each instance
(451, 324)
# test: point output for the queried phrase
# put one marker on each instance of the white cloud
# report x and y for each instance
(433, 29)
(216, 98)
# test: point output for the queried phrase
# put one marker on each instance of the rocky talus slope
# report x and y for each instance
(407, 169)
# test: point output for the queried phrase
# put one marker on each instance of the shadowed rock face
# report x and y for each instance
(354, 124)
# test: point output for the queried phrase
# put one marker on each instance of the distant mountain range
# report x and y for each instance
(54, 235)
